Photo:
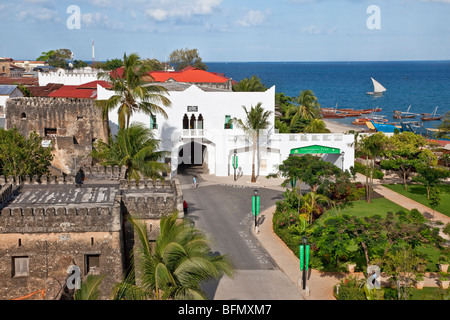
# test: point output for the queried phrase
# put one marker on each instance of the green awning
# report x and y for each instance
(315, 149)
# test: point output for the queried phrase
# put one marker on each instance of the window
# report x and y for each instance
(192, 122)
(50, 131)
(20, 267)
(200, 122)
(185, 122)
(228, 124)
(23, 116)
(153, 124)
(92, 263)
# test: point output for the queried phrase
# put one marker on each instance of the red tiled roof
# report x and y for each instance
(74, 92)
(45, 90)
(28, 81)
(93, 84)
(188, 74)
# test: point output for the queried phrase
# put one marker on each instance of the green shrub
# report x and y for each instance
(350, 288)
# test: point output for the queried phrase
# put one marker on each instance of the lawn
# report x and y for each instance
(419, 193)
(361, 208)
(430, 293)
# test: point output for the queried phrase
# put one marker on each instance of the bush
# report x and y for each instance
(360, 168)
(350, 288)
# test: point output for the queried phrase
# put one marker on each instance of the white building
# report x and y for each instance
(196, 132)
(71, 78)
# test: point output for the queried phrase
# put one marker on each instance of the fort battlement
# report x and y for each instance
(57, 219)
(38, 102)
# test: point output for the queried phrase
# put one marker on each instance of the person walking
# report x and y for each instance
(185, 207)
(194, 182)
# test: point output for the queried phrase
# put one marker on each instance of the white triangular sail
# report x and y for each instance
(377, 87)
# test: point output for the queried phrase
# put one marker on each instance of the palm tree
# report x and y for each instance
(175, 267)
(311, 203)
(316, 126)
(132, 92)
(257, 119)
(89, 289)
(136, 149)
(252, 84)
(307, 108)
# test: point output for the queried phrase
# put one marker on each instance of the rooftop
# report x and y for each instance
(6, 90)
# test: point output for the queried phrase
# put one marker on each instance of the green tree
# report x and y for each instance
(430, 177)
(252, 84)
(405, 153)
(21, 156)
(316, 126)
(56, 58)
(313, 205)
(132, 93)
(89, 288)
(153, 64)
(256, 119)
(309, 169)
(444, 127)
(434, 198)
(403, 265)
(175, 267)
(307, 108)
(136, 149)
(372, 147)
(182, 58)
(78, 64)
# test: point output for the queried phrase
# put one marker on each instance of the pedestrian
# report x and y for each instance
(185, 207)
(194, 182)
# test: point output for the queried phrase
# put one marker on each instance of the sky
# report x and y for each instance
(229, 30)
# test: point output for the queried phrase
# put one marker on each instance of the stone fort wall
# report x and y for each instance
(53, 237)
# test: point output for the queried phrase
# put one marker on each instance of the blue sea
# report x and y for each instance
(423, 85)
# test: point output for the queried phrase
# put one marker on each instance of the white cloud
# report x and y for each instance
(253, 18)
(99, 20)
(315, 30)
(161, 10)
(41, 15)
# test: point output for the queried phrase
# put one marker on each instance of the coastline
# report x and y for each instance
(335, 127)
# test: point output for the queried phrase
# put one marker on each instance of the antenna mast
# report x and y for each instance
(93, 55)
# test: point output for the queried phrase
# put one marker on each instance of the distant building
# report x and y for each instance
(6, 92)
(5, 66)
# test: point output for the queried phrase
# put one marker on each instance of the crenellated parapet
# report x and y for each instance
(60, 219)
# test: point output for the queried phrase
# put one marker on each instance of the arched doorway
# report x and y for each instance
(192, 154)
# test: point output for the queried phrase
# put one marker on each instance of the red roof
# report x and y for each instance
(44, 91)
(93, 84)
(74, 92)
(188, 74)
(84, 91)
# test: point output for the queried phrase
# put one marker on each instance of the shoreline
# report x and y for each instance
(336, 127)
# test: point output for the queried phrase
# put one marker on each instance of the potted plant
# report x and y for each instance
(443, 263)
(419, 281)
(351, 266)
(444, 280)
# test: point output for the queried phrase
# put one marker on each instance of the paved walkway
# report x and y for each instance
(319, 284)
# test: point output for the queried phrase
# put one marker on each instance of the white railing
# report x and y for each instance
(193, 133)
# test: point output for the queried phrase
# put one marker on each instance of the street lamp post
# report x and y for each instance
(304, 259)
(255, 207)
(235, 164)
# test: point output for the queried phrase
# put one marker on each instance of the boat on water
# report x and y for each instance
(404, 115)
(431, 116)
(378, 89)
(411, 126)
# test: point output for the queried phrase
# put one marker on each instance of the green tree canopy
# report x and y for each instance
(405, 153)
(21, 156)
(132, 93)
(182, 58)
(56, 58)
(252, 84)
(175, 267)
(136, 149)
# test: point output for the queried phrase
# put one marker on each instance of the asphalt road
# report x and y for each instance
(224, 214)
